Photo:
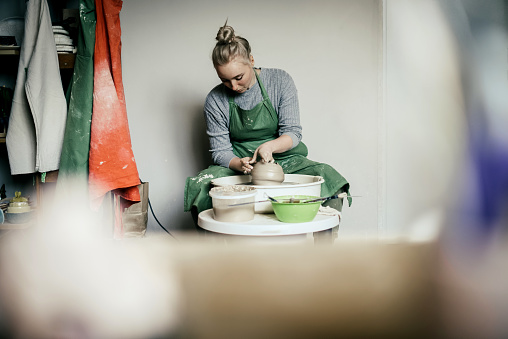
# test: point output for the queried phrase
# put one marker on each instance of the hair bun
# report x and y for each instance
(226, 34)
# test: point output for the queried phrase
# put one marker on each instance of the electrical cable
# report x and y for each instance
(153, 213)
(151, 209)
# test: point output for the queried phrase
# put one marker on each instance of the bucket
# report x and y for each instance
(224, 196)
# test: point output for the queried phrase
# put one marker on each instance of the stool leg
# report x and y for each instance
(194, 213)
(326, 237)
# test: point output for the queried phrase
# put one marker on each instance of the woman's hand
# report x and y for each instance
(243, 165)
(246, 164)
(265, 152)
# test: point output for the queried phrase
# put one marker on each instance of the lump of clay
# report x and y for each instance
(267, 173)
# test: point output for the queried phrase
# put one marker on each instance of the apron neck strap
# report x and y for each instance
(261, 86)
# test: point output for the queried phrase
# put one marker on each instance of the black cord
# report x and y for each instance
(151, 209)
(153, 213)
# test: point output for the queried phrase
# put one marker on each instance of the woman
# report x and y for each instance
(253, 116)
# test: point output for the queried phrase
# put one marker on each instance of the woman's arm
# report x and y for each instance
(217, 127)
(285, 99)
(288, 108)
(266, 150)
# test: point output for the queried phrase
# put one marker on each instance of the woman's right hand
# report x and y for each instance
(246, 164)
(243, 165)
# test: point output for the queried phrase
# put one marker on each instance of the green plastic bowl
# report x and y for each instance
(295, 212)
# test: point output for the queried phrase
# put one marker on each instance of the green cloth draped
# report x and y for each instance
(76, 144)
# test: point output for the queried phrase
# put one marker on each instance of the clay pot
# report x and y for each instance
(267, 173)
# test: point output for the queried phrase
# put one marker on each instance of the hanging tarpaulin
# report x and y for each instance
(111, 164)
(76, 146)
(39, 110)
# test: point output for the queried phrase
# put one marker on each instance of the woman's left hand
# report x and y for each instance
(265, 152)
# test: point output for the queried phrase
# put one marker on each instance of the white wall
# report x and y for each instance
(332, 50)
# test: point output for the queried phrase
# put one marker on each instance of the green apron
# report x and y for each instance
(76, 144)
(249, 129)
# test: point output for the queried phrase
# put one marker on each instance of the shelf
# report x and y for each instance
(66, 60)
(9, 50)
(7, 226)
(51, 176)
(66, 63)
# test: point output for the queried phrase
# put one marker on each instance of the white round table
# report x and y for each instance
(267, 226)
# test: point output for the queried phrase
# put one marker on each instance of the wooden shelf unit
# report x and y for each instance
(9, 50)
(66, 62)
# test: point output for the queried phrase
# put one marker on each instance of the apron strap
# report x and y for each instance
(261, 86)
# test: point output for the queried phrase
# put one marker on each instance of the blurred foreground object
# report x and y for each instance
(63, 278)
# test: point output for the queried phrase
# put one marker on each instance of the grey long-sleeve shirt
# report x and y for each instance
(282, 93)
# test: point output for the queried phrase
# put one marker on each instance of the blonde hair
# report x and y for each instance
(229, 46)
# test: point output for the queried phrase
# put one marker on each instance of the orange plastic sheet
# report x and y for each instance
(111, 164)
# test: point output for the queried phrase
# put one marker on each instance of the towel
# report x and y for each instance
(64, 43)
(60, 30)
(111, 163)
(65, 49)
(39, 109)
(61, 39)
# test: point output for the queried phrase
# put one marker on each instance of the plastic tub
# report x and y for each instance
(293, 184)
(225, 196)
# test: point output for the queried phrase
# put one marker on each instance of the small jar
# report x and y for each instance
(267, 173)
(18, 204)
(18, 210)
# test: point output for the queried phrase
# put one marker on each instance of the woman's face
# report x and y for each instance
(237, 75)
